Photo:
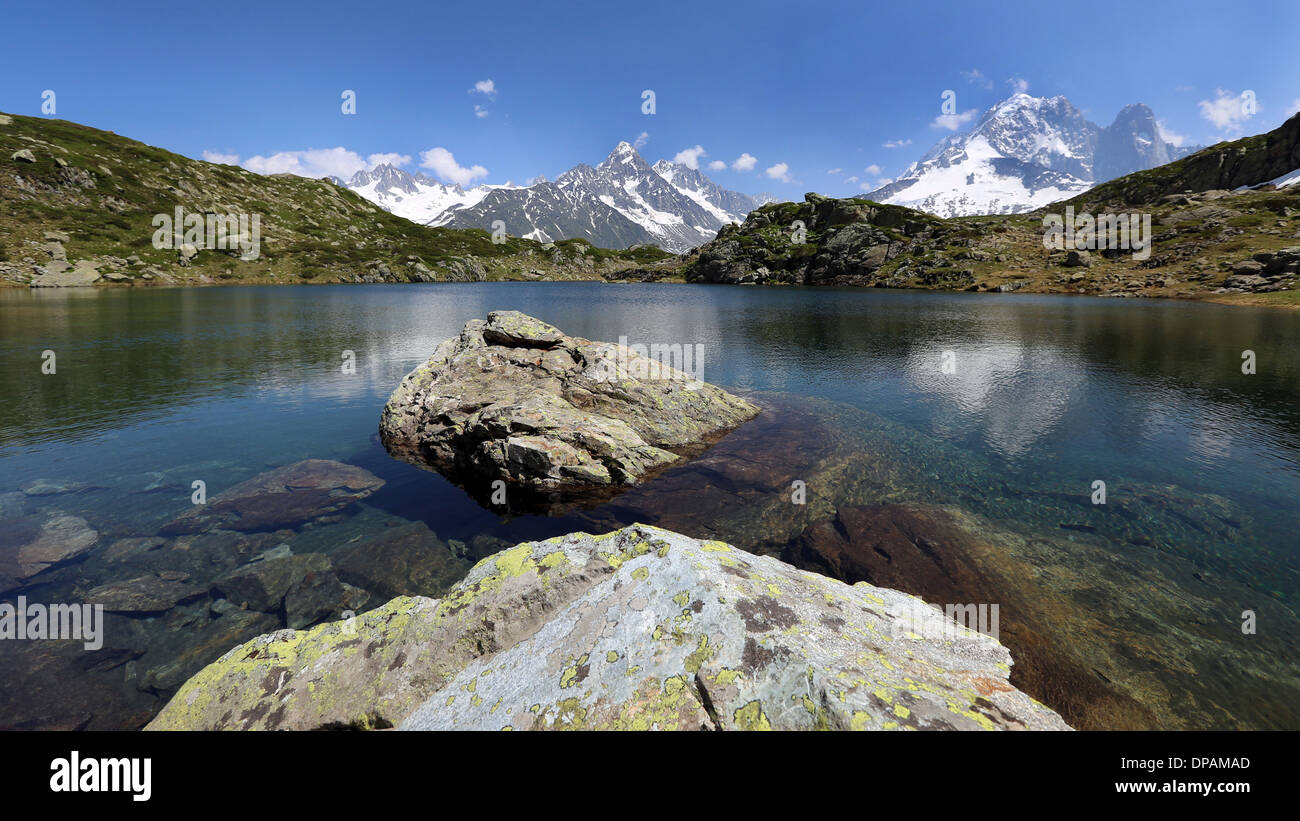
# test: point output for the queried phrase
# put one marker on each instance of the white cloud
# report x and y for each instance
(391, 159)
(1019, 85)
(852, 179)
(873, 169)
(717, 165)
(442, 163)
(480, 111)
(780, 171)
(314, 162)
(1294, 108)
(485, 87)
(641, 140)
(953, 121)
(895, 143)
(835, 171)
(745, 162)
(976, 77)
(1169, 136)
(221, 159)
(1227, 111)
(690, 157)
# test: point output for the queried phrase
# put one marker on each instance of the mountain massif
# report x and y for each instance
(619, 203)
(1024, 153)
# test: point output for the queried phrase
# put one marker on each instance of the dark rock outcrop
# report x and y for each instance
(821, 241)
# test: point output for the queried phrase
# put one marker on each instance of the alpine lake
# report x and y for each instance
(1105, 471)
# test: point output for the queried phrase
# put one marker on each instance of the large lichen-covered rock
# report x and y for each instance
(560, 419)
(641, 628)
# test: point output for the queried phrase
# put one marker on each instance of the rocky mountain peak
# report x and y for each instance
(1133, 142)
(623, 201)
(385, 177)
(1026, 152)
(625, 155)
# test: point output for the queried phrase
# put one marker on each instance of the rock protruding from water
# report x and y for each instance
(641, 628)
(560, 419)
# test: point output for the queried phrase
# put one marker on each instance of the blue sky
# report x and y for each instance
(802, 89)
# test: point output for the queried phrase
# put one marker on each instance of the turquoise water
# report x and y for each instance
(157, 387)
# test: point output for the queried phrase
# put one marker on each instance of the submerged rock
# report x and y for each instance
(182, 649)
(287, 497)
(1110, 635)
(12, 505)
(54, 487)
(319, 597)
(641, 628)
(147, 594)
(262, 585)
(402, 561)
(32, 544)
(558, 418)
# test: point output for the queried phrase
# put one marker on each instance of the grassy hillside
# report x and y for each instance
(95, 194)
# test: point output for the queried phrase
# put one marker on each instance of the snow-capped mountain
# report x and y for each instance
(417, 197)
(626, 183)
(1027, 152)
(622, 201)
(726, 206)
(547, 211)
